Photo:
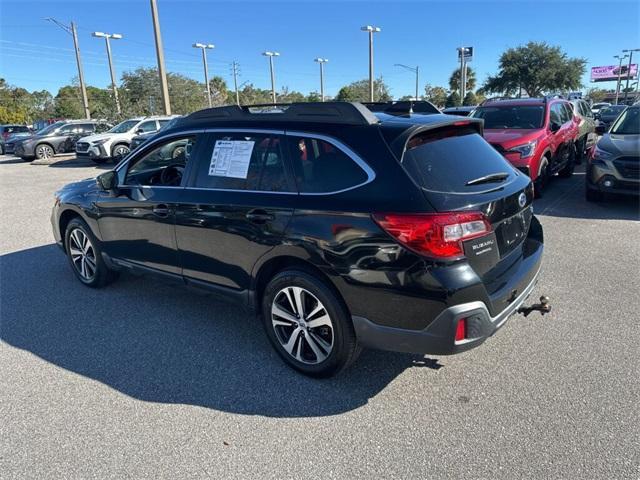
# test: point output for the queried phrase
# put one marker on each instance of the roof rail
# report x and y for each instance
(495, 99)
(344, 113)
(402, 106)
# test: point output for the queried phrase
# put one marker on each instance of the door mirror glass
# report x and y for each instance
(108, 181)
(139, 131)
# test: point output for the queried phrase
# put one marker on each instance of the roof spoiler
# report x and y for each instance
(402, 106)
(344, 113)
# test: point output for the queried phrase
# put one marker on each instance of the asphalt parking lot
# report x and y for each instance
(144, 379)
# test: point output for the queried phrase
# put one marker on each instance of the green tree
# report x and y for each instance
(453, 100)
(219, 91)
(313, 97)
(436, 95)
(286, 96)
(470, 99)
(454, 80)
(68, 103)
(538, 68)
(597, 94)
(359, 91)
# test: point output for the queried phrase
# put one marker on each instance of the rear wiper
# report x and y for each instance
(492, 177)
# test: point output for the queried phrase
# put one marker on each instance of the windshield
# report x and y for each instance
(613, 110)
(50, 128)
(517, 117)
(628, 123)
(166, 124)
(124, 126)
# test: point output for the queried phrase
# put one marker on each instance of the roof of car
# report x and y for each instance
(513, 102)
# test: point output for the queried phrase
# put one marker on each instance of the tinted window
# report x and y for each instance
(148, 126)
(628, 123)
(244, 161)
(67, 129)
(321, 167)
(86, 127)
(568, 112)
(556, 114)
(146, 170)
(444, 160)
(102, 127)
(518, 117)
(15, 129)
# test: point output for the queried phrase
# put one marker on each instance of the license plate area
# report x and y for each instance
(512, 231)
(482, 253)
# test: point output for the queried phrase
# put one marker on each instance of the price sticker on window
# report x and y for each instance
(231, 158)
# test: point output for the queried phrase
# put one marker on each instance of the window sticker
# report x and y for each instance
(230, 158)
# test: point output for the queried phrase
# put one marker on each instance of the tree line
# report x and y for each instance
(532, 69)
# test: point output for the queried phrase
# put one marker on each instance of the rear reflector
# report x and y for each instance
(437, 235)
(461, 330)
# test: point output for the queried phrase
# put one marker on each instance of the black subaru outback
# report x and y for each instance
(341, 228)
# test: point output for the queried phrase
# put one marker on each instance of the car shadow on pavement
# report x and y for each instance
(75, 163)
(164, 343)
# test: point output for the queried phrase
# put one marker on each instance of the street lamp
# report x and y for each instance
(321, 61)
(107, 37)
(619, 73)
(371, 29)
(204, 48)
(415, 70)
(626, 89)
(273, 78)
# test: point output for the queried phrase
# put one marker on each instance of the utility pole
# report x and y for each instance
(204, 48)
(462, 75)
(107, 37)
(234, 67)
(273, 78)
(164, 89)
(626, 88)
(83, 88)
(321, 61)
(415, 70)
(371, 30)
(619, 73)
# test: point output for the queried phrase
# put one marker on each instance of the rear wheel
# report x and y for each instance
(85, 255)
(308, 324)
(44, 151)
(569, 159)
(581, 146)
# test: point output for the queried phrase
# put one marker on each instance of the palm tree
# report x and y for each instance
(454, 80)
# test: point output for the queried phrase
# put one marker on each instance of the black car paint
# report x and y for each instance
(206, 238)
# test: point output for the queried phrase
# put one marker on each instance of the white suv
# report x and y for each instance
(114, 144)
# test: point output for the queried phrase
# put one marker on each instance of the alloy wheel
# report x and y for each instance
(44, 151)
(120, 151)
(302, 325)
(82, 254)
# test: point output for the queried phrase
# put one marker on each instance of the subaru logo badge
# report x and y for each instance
(522, 200)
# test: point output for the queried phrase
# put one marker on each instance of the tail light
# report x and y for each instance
(438, 235)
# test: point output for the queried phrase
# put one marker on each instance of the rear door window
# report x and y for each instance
(445, 160)
(321, 167)
(245, 161)
(148, 126)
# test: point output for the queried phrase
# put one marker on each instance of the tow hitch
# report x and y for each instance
(542, 307)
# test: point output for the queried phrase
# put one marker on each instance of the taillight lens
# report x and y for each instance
(438, 235)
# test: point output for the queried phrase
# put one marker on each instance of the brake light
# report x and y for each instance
(461, 330)
(438, 235)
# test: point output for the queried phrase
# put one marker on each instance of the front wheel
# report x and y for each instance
(85, 255)
(44, 151)
(308, 324)
(119, 152)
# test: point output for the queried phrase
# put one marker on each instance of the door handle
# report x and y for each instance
(161, 210)
(259, 216)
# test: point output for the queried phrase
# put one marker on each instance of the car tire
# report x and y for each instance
(581, 145)
(322, 350)
(592, 195)
(1, 150)
(44, 151)
(85, 255)
(119, 151)
(568, 169)
(543, 177)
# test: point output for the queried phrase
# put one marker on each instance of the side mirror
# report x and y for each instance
(108, 181)
(555, 127)
(139, 131)
(601, 129)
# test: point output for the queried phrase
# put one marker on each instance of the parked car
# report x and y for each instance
(586, 128)
(140, 139)
(59, 137)
(607, 116)
(537, 135)
(13, 132)
(614, 164)
(115, 144)
(341, 227)
(596, 107)
(464, 111)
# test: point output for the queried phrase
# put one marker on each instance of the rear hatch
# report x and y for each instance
(459, 171)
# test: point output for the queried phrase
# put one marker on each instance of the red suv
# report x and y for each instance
(537, 135)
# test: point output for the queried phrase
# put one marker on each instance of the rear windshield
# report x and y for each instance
(516, 116)
(445, 160)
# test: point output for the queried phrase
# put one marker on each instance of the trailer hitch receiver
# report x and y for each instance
(542, 307)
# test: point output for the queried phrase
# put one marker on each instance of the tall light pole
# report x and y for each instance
(273, 78)
(235, 67)
(107, 37)
(204, 47)
(619, 73)
(626, 88)
(162, 72)
(71, 30)
(321, 61)
(415, 70)
(371, 29)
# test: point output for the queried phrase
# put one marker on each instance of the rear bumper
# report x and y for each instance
(439, 337)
